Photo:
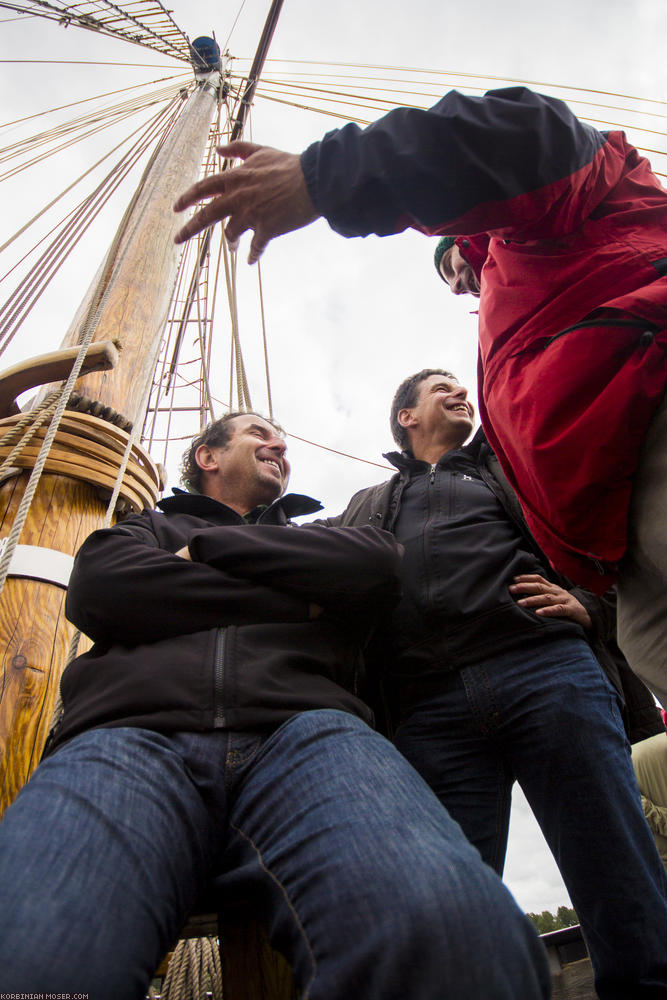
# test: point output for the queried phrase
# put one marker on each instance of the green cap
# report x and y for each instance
(445, 244)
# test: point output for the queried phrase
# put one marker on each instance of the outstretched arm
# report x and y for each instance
(509, 160)
(267, 194)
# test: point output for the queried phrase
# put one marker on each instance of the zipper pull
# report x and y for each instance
(432, 476)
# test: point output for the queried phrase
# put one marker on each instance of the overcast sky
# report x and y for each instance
(346, 320)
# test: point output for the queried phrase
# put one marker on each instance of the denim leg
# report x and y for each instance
(566, 744)
(101, 855)
(364, 881)
(452, 748)
(548, 715)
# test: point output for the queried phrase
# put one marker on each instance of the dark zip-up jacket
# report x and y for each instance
(503, 623)
(567, 228)
(225, 640)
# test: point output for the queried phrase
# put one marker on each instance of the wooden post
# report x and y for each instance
(137, 283)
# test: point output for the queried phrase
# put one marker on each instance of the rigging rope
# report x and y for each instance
(69, 188)
(32, 286)
(194, 970)
(467, 76)
(149, 25)
(96, 97)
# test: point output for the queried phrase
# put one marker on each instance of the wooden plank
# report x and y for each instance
(251, 969)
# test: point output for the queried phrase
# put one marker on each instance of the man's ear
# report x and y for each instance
(406, 418)
(206, 459)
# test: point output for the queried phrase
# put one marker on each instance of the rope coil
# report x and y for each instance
(90, 449)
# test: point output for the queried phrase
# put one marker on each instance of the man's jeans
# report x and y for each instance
(547, 717)
(359, 875)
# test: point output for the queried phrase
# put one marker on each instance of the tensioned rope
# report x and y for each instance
(355, 83)
(319, 91)
(95, 97)
(420, 70)
(194, 270)
(24, 297)
(113, 264)
(83, 62)
(395, 96)
(66, 190)
(80, 129)
(289, 433)
(346, 115)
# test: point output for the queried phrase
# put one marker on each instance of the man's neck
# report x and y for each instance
(239, 504)
(432, 451)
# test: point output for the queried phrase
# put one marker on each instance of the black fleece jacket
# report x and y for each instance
(506, 624)
(225, 640)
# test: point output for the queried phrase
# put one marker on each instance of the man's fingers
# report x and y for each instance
(257, 248)
(238, 150)
(236, 226)
(206, 188)
(529, 588)
(205, 217)
(535, 600)
(553, 610)
(191, 228)
(216, 210)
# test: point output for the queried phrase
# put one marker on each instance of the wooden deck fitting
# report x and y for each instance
(52, 367)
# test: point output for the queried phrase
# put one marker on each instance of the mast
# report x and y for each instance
(123, 315)
(127, 306)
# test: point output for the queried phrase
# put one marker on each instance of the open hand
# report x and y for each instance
(267, 194)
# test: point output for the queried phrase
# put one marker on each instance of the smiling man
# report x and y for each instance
(453, 268)
(565, 228)
(215, 731)
(492, 680)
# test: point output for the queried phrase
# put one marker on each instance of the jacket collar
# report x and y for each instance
(279, 512)
(407, 464)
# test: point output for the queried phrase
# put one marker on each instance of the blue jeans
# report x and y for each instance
(359, 875)
(547, 717)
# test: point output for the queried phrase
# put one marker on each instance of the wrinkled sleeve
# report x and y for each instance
(505, 161)
(125, 589)
(601, 610)
(337, 568)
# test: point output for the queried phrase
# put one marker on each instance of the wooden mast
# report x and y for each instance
(130, 299)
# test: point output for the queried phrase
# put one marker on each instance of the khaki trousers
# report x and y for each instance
(642, 586)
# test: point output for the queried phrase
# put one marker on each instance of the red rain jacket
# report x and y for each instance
(567, 228)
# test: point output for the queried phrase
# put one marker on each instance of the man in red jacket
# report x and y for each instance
(214, 732)
(568, 226)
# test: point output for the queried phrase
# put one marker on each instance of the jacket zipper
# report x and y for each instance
(603, 321)
(219, 718)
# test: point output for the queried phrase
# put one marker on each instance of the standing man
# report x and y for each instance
(495, 682)
(214, 729)
(572, 228)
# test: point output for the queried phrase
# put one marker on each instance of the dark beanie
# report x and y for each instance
(445, 244)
